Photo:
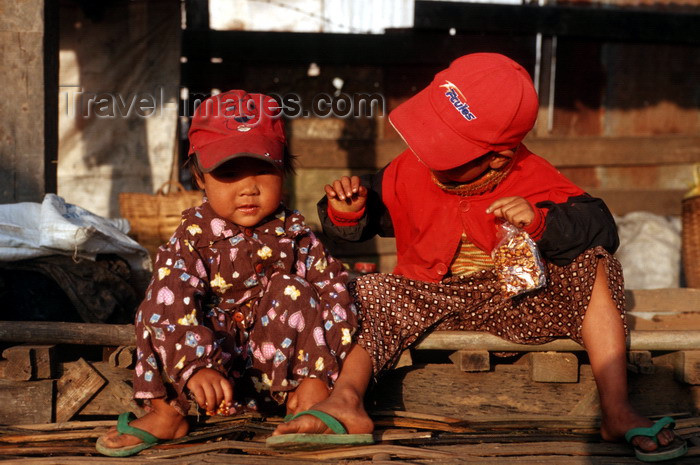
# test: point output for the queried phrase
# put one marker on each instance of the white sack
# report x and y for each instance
(30, 230)
(650, 250)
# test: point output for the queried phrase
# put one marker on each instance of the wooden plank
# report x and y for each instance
(674, 300)
(471, 360)
(357, 153)
(658, 201)
(369, 451)
(79, 383)
(686, 365)
(17, 365)
(637, 340)
(104, 334)
(561, 152)
(66, 425)
(616, 151)
(553, 448)
(116, 396)
(123, 357)
(26, 402)
(200, 448)
(56, 436)
(38, 332)
(506, 399)
(25, 362)
(44, 359)
(553, 367)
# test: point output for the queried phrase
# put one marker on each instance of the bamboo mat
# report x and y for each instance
(402, 438)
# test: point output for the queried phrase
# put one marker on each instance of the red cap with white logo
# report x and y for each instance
(483, 102)
(237, 124)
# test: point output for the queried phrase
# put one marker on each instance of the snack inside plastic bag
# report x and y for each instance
(517, 261)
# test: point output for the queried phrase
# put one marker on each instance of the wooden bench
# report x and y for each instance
(555, 361)
(32, 373)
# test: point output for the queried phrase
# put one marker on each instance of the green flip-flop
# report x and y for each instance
(124, 427)
(308, 441)
(677, 448)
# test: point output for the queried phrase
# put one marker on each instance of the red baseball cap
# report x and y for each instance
(483, 102)
(237, 124)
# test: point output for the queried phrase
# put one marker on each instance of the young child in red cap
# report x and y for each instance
(245, 310)
(465, 171)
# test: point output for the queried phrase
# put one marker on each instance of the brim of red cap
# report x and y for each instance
(213, 155)
(434, 142)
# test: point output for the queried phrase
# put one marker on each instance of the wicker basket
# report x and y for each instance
(690, 236)
(154, 217)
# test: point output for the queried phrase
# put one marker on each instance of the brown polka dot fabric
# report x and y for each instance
(396, 311)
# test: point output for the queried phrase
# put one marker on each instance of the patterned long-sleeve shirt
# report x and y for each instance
(212, 269)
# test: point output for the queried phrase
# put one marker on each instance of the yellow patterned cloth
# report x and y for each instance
(469, 259)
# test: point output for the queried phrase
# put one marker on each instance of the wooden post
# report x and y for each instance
(28, 99)
(640, 361)
(553, 367)
(123, 357)
(686, 365)
(471, 360)
(17, 365)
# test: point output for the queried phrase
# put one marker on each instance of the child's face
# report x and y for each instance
(464, 173)
(244, 190)
(474, 169)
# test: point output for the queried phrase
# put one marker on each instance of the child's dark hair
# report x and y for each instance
(288, 165)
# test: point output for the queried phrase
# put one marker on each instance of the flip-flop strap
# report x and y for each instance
(124, 427)
(330, 422)
(651, 431)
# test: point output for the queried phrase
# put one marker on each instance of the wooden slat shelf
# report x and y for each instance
(568, 152)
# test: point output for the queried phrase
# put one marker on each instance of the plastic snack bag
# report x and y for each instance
(517, 261)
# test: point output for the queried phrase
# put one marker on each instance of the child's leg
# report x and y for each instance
(346, 401)
(604, 338)
(163, 421)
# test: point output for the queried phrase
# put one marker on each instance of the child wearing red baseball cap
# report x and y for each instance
(466, 170)
(246, 310)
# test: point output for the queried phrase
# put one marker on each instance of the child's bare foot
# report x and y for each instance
(163, 425)
(616, 424)
(344, 405)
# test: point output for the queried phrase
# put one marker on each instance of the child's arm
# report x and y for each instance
(352, 215)
(346, 195)
(572, 227)
(515, 210)
(171, 320)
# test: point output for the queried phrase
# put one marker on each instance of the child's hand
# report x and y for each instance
(516, 210)
(210, 390)
(346, 194)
